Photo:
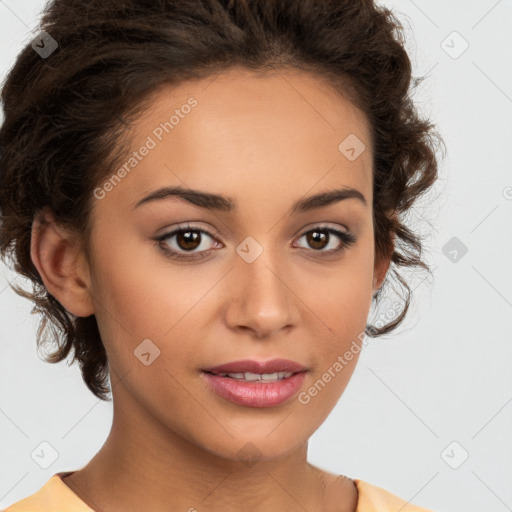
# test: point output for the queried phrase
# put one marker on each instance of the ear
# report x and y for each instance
(382, 263)
(56, 254)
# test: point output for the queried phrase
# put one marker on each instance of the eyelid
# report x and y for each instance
(323, 225)
(184, 226)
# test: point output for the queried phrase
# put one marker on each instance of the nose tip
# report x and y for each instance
(261, 301)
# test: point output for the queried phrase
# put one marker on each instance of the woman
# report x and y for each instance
(208, 195)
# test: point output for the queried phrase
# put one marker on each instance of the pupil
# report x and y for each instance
(185, 238)
(315, 239)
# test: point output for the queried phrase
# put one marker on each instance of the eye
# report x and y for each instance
(187, 240)
(189, 243)
(320, 237)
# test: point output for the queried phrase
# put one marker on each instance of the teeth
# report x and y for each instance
(256, 376)
(234, 375)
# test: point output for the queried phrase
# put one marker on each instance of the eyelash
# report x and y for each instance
(348, 240)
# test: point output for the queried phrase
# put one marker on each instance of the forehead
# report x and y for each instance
(239, 129)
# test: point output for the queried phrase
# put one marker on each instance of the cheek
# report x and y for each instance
(343, 304)
(121, 286)
(346, 297)
(139, 295)
(337, 350)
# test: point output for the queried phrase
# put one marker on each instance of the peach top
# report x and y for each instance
(56, 496)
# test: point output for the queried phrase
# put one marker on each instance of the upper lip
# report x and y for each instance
(252, 366)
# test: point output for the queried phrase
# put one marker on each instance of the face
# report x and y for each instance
(251, 277)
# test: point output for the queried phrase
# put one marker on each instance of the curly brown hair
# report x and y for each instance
(66, 118)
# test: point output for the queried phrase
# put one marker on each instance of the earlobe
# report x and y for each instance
(56, 255)
(381, 270)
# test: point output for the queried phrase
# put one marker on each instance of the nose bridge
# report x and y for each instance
(260, 297)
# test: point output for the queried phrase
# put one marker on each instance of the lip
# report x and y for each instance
(255, 393)
(253, 366)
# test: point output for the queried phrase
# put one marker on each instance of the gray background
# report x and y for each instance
(420, 400)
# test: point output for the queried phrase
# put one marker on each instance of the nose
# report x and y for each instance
(260, 298)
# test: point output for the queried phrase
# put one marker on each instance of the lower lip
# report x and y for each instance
(255, 393)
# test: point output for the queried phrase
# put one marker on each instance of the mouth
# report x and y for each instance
(251, 383)
(255, 377)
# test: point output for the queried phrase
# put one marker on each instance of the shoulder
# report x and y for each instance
(375, 499)
(52, 496)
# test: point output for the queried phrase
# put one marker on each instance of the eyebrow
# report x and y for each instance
(226, 204)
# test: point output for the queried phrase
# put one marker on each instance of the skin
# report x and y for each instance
(266, 142)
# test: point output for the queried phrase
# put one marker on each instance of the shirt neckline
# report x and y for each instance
(58, 477)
